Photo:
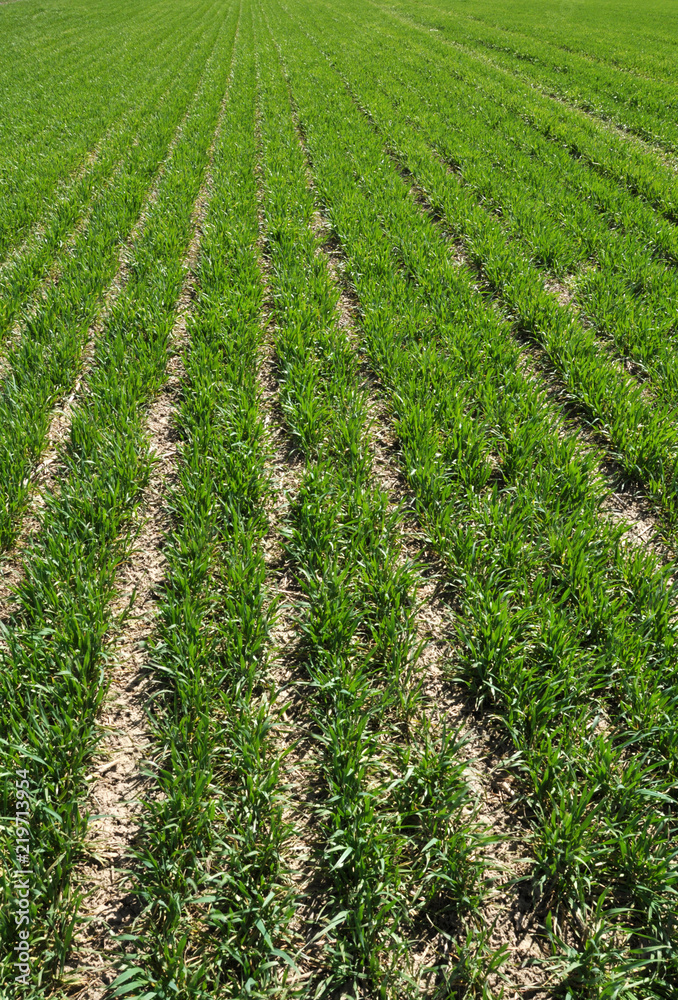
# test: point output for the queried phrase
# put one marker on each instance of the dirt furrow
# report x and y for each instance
(118, 777)
(508, 909)
(293, 731)
(627, 501)
(293, 735)
(44, 477)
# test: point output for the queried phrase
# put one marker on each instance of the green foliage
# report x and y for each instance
(495, 188)
(54, 658)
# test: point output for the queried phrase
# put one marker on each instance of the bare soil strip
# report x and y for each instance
(628, 501)
(118, 779)
(293, 733)
(45, 474)
(508, 908)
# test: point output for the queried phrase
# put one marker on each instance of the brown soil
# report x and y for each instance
(293, 735)
(45, 474)
(119, 781)
(508, 907)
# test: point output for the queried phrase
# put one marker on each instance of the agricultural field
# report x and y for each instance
(339, 499)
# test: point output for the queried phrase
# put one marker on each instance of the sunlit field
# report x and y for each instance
(339, 499)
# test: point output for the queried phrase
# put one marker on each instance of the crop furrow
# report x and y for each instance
(497, 517)
(380, 872)
(495, 153)
(338, 500)
(565, 133)
(58, 642)
(629, 502)
(628, 295)
(630, 106)
(45, 362)
(117, 780)
(608, 153)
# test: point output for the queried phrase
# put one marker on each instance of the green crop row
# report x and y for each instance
(57, 644)
(564, 632)
(67, 75)
(207, 869)
(641, 434)
(426, 140)
(643, 107)
(606, 153)
(43, 364)
(393, 842)
(637, 39)
(44, 252)
(482, 134)
(563, 214)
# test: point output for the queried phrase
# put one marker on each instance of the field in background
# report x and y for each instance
(339, 499)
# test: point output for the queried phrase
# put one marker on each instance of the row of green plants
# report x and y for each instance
(43, 363)
(394, 849)
(482, 134)
(643, 106)
(58, 642)
(567, 218)
(638, 40)
(606, 152)
(207, 869)
(48, 249)
(641, 433)
(67, 76)
(565, 633)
